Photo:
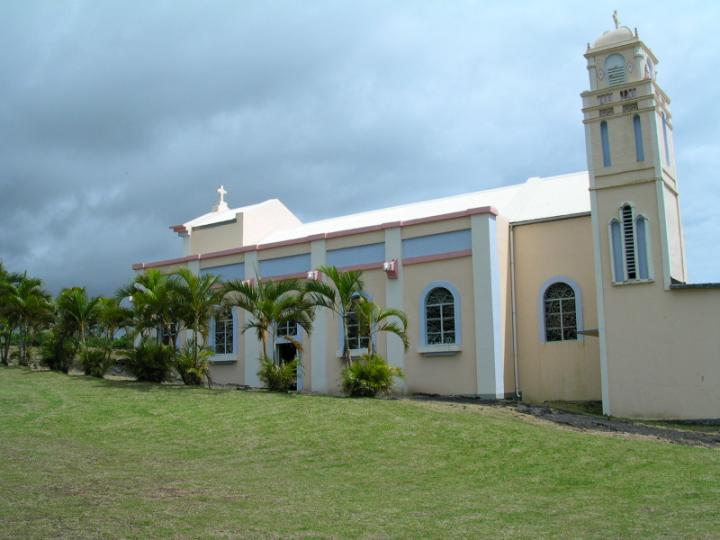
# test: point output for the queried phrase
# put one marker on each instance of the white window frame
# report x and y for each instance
(575, 286)
(439, 349)
(226, 357)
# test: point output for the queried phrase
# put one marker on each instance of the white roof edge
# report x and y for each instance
(547, 197)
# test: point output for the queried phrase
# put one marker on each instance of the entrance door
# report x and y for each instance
(287, 352)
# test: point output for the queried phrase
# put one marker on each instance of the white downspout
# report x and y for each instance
(514, 310)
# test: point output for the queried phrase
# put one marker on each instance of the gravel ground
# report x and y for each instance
(588, 422)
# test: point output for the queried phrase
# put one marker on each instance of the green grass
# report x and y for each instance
(100, 459)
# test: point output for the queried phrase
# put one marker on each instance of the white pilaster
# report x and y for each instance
(489, 338)
(194, 267)
(252, 346)
(395, 298)
(318, 338)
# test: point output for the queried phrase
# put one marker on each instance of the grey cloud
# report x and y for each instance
(118, 119)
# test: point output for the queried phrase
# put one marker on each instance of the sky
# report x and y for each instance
(118, 119)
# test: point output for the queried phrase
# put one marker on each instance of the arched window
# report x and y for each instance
(629, 246)
(440, 324)
(615, 69)
(440, 316)
(605, 141)
(223, 332)
(560, 312)
(665, 138)
(639, 148)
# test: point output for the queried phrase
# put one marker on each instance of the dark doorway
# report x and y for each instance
(287, 352)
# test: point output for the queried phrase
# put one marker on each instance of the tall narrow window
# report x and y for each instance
(665, 139)
(642, 251)
(639, 148)
(560, 313)
(355, 340)
(224, 332)
(615, 69)
(629, 241)
(440, 316)
(617, 251)
(605, 140)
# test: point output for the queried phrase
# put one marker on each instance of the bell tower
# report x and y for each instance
(637, 232)
(631, 161)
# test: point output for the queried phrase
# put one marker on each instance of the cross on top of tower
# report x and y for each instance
(221, 204)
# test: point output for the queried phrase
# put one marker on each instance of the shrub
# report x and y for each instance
(193, 370)
(123, 342)
(95, 362)
(369, 376)
(58, 351)
(278, 377)
(150, 361)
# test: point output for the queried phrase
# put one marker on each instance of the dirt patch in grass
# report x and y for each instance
(687, 434)
(587, 422)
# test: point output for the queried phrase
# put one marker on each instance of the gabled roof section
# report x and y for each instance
(224, 216)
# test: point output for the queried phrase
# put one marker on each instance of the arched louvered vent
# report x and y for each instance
(629, 241)
(615, 69)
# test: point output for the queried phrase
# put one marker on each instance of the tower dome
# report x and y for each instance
(620, 34)
(613, 37)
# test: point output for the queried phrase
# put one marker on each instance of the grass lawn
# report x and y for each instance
(100, 459)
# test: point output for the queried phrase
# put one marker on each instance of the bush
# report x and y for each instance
(278, 377)
(58, 351)
(95, 362)
(150, 361)
(369, 376)
(193, 370)
(123, 342)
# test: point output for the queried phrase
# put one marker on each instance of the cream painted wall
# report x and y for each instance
(283, 251)
(217, 237)
(663, 346)
(361, 239)
(222, 261)
(265, 218)
(436, 227)
(374, 281)
(567, 370)
(456, 373)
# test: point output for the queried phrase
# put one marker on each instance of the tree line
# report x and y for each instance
(142, 324)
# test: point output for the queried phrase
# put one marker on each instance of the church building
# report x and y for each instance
(570, 288)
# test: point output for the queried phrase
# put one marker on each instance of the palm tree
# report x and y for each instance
(196, 298)
(78, 312)
(154, 305)
(6, 328)
(270, 303)
(374, 319)
(27, 308)
(111, 317)
(340, 297)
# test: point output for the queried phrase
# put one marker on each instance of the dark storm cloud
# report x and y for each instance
(118, 119)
